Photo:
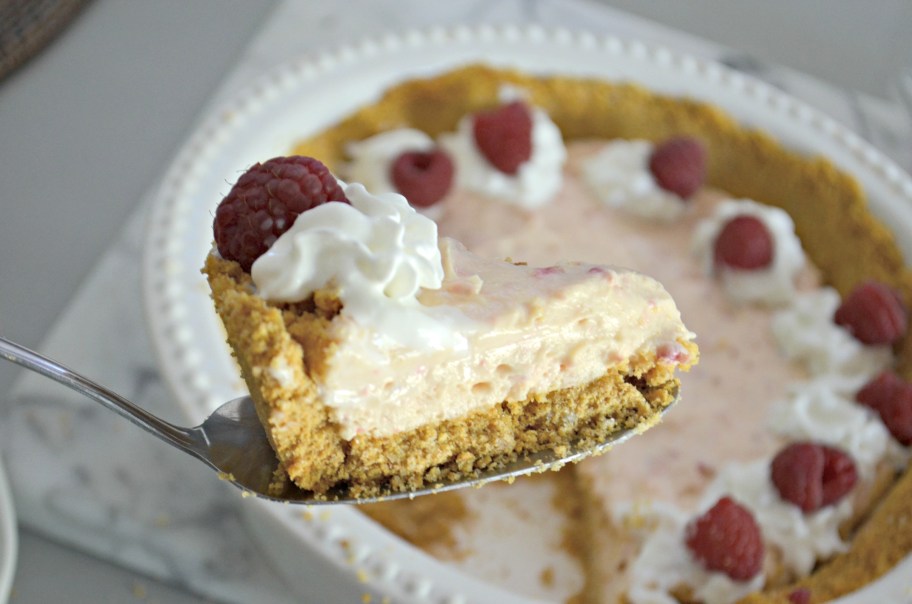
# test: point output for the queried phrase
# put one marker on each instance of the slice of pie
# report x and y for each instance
(385, 359)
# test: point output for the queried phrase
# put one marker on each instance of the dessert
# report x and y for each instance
(793, 442)
(385, 359)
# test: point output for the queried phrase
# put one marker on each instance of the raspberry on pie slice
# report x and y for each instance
(266, 200)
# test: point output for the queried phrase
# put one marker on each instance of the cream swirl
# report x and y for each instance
(665, 564)
(619, 176)
(816, 411)
(772, 285)
(537, 180)
(376, 253)
(799, 538)
(372, 158)
(807, 334)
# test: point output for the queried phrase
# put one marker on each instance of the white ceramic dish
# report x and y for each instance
(338, 554)
(8, 538)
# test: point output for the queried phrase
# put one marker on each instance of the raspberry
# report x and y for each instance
(422, 177)
(800, 595)
(891, 397)
(266, 200)
(504, 136)
(812, 476)
(727, 539)
(679, 165)
(873, 313)
(879, 389)
(744, 243)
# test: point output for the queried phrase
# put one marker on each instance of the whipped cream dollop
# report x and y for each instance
(537, 180)
(372, 158)
(772, 285)
(818, 412)
(800, 538)
(377, 253)
(664, 564)
(807, 334)
(620, 177)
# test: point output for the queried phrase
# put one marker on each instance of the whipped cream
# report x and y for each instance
(807, 334)
(537, 180)
(620, 177)
(376, 253)
(665, 563)
(772, 285)
(372, 158)
(800, 539)
(817, 412)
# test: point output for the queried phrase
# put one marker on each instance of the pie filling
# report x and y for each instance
(528, 331)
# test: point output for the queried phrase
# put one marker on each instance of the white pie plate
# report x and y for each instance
(8, 537)
(337, 554)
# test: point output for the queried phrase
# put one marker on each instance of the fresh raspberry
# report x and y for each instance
(891, 397)
(881, 388)
(744, 243)
(266, 200)
(873, 313)
(504, 136)
(423, 177)
(727, 539)
(679, 165)
(800, 595)
(812, 476)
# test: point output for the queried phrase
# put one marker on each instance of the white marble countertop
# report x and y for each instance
(88, 127)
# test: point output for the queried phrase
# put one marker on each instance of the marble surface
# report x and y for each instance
(84, 477)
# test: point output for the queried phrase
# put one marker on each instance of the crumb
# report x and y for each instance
(139, 591)
(426, 522)
(547, 577)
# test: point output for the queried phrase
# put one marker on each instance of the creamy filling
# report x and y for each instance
(534, 330)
